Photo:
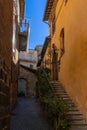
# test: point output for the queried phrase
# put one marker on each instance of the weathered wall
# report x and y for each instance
(6, 17)
(72, 17)
(14, 85)
(6, 32)
(28, 58)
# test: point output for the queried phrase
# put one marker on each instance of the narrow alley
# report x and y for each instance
(28, 116)
(43, 65)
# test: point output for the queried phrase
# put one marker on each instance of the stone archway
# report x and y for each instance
(22, 87)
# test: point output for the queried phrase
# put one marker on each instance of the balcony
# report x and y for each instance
(23, 35)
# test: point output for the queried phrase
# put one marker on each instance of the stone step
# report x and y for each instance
(72, 105)
(64, 97)
(75, 113)
(61, 90)
(67, 98)
(76, 120)
(62, 94)
(75, 117)
(56, 84)
(69, 102)
(58, 88)
(73, 109)
(51, 82)
(78, 124)
(78, 128)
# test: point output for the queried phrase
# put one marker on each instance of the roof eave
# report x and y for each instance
(48, 8)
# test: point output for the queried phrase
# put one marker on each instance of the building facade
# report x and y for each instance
(23, 35)
(9, 27)
(68, 30)
(18, 16)
(27, 81)
(38, 48)
(27, 69)
(45, 55)
(5, 65)
(29, 58)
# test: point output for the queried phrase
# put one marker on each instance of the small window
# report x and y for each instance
(53, 25)
(62, 42)
(66, 2)
(31, 66)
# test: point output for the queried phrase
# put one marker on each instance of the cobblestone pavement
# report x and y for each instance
(28, 116)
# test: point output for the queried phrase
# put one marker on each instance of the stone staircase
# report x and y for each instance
(76, 121)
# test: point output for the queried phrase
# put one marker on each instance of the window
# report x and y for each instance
(66, 2)
(31, 66)
(53, 25)
(62, 42)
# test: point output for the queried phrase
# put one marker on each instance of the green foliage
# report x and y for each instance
(55, 108)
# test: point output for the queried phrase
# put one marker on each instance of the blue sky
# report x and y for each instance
(38, 29)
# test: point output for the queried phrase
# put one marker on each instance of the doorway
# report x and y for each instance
(22, 87)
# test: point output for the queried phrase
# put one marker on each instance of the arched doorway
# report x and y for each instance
(22, 87)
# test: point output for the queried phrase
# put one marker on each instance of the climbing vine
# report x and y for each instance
(54, 107)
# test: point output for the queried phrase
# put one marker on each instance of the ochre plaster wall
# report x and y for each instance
(72, 16)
